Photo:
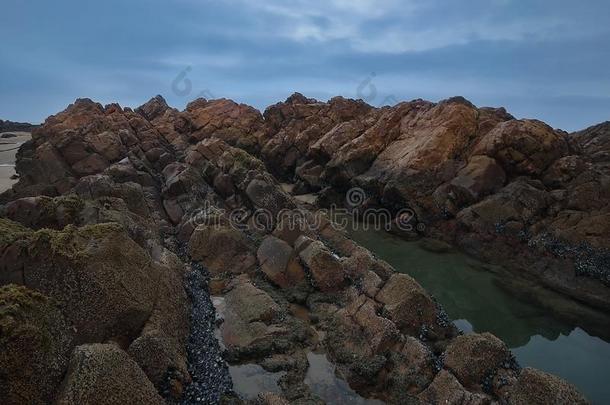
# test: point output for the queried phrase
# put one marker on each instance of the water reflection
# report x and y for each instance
(578, 357)
(480, 302)
(323, 382)
(251, 379)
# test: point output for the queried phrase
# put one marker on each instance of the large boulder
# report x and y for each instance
(325, 267)
(446, 389)
(427, 136)
(45, 212)
(237, 124)
(279, 263)
(535, 387)
(291, 225)
(268, 196)
(481, 176)
(104, 374)
(102, 185)
(222, 249)
(563, 171)
(105, 283)
(160, 348)
(43, 170)
(254, 324)
(407, 304)
(379, 332)
(412, 369)
(472, 358)
(107, 144)
(349, 347)
(159, 357)
(310, 173)
(577, 226)
(35, 345)
(523, 147)
(522, 201)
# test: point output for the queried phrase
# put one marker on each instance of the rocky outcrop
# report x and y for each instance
(10, 126)
(105, 283)
(117, 211)
(237, 124)
(448, 162)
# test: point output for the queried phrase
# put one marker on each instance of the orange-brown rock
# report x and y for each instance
(494, 185)
(279, 263)
(525, 147)
(222, 249)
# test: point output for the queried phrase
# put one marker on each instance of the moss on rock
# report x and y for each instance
(35, 343)
(105, 282)
(11, 231)
(73, 242)
(245, 160)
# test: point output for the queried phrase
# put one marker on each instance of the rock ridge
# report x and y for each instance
(123, 220)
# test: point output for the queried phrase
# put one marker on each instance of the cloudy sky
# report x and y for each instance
(546, 59)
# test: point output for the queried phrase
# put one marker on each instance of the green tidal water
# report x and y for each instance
(475, 299)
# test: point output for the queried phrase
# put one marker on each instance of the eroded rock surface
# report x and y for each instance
(104, 374)
(118, 213)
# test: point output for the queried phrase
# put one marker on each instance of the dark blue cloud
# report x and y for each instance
(539, 59)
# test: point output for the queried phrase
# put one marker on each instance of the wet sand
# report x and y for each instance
(8, 151)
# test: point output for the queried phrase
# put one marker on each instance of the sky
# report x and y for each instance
(544, 59)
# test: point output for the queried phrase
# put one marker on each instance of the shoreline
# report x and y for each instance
(8, 153)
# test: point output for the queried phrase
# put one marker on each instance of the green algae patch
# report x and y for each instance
(245, 160)
(72, 242)
(104, 282)
(18, 307)
(12, 231)
(69, 205)
(35, 342)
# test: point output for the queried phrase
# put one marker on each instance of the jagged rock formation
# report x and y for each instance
(477, 177)
(115, 209)
(10, 126)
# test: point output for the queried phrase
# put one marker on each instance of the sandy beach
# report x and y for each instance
(8, 151)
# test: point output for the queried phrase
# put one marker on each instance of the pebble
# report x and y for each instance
(208, 369)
